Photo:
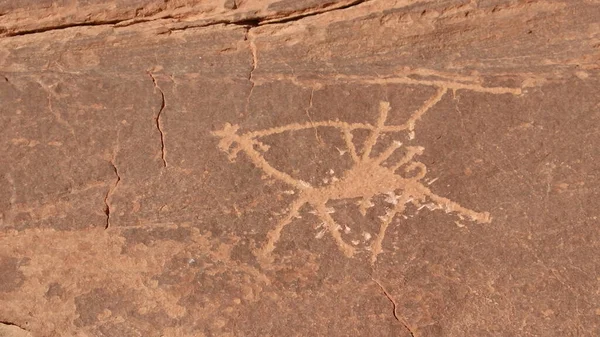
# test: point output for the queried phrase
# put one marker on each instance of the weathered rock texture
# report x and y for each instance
(300, 168)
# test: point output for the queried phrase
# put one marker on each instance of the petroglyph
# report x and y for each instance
(367, 178)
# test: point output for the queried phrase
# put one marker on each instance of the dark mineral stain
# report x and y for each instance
(149, 236)
(119, 329)
(120, 302)
(55, 289)
(11, 278)
(92, 304)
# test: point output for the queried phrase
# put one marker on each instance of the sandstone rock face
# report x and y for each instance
(300, 168)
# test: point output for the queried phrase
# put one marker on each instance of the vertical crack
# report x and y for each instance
(253, 52)
(109, 194)
(394, 307)
(158, 120)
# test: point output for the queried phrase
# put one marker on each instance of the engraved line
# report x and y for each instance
(334, 231)
(411, 151)
(417, 165)
(303, 126)
(258, 160)
(350, 145)
(384, 109)
(424, 72)
(379, 128)
(425, 107)
(275, 234)
(394, 80)
(434, 83)
(332, 124)
(388, 152)
(376, 246)
(450, 206)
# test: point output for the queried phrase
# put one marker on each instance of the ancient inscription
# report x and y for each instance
(369, 176)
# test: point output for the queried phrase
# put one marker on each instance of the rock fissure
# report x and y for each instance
(158, 120)
(249, 37)
(295, 16)
(61, 27)
(394, 307)
(109, 194)
(247, 22)
(12, 324)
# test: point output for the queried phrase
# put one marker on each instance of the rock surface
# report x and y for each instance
(300, 168)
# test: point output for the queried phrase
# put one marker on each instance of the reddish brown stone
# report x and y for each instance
(185, 168)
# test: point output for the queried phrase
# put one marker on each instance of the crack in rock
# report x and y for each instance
(11, 324)
(253, 52)
(109, 194)
(13, 329)
(394, 307)
(250, 21)
(61, 27)
(158, 121)
(295, 16)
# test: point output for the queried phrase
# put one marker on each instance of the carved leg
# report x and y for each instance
(450, 206)
(334, 230)
(274, 234)
(376, 246)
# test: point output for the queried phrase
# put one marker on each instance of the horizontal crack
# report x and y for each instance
(244, 22)
(12, 324)
(306, 13)
(252, 22)
(61, 27)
